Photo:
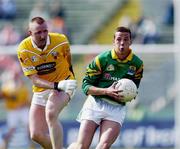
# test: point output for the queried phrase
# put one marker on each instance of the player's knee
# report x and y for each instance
(36, 136)
(51, 116)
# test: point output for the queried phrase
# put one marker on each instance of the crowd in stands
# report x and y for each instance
(169, 15)
(54, 13)
(7, 9)
(9, 35)
(144, 31)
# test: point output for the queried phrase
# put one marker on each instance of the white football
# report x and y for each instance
(129, 89)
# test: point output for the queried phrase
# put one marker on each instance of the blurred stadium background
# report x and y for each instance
(90, 25)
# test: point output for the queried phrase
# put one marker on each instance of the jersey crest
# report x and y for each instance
(131, 70)
(34, 58)
(55, 54)
(110, 67)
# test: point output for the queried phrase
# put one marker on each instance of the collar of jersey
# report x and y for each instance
(35, 46)
(128, 58)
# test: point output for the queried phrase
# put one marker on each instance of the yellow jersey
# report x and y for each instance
(51, 64)
(15, 95)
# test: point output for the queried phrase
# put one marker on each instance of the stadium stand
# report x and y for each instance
(23, 9)
(134, 9)
(85, 19)
(160, 8)
(161, 100)
(104, 35)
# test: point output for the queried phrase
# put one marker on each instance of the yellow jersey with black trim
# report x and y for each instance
(15, 96)
(51, 63)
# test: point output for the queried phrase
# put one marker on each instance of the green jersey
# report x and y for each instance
(106, 68)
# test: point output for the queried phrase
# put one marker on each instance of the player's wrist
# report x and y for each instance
(56, 86)
(104, 92)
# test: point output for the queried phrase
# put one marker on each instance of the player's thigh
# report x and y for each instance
(109, 131)
(57, 101)
(86, 132)
(37, 120)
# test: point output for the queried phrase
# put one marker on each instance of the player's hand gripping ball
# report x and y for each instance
(129, 89)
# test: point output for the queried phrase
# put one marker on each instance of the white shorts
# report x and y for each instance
(98, 110)
(17, 117)
(40, 98)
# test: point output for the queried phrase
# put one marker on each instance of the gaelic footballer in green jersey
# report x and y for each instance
(103, 107)
(107, 69)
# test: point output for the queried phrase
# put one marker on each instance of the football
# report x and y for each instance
(129, 89)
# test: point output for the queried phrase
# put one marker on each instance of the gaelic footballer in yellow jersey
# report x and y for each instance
(46, 60)
(53, 63)
(15, 96)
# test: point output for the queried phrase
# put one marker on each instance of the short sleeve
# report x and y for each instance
(26, 63)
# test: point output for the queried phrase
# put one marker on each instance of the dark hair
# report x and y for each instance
(123, 29)
(38, 20)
